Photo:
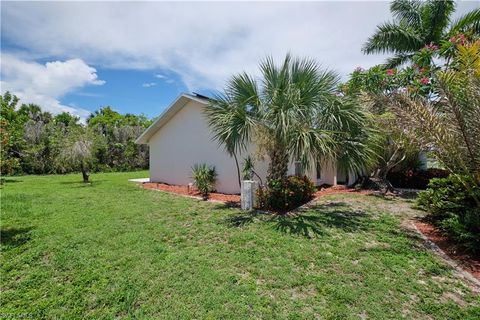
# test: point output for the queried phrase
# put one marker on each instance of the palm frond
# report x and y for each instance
(469, 22)
(398, 60)
(436, 18)
(396, 38)
(231, 123)
(407, 11)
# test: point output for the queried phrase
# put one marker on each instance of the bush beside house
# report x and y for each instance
(454, 208)
(284, 195)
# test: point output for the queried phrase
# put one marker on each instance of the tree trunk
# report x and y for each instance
(238, 169)
(380, 176)
(84, 172)
(278, 166)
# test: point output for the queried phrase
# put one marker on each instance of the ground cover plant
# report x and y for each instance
(110, 249)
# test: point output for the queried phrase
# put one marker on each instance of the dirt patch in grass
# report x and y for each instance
(338, 189)
(466, 261)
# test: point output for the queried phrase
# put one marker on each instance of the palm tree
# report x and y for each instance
(418, 24)
(291, 112)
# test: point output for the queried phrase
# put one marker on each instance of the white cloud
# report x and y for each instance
(204, 43)
(149, 84)
(45, 84)
(164, 78)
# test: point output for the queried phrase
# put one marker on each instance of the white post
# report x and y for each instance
(248, 194)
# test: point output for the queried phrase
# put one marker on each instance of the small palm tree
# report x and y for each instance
(204, 178)
(418, 24)
(291, 112)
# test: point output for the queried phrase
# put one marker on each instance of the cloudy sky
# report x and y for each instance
(137, 57)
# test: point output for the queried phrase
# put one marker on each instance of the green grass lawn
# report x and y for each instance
(112, 250)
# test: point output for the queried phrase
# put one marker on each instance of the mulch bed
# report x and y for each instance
(468, 262)
(234, 199)
(192, 192)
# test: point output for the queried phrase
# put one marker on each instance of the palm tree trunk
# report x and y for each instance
(278, 166)
(381, 174)
(238, 169)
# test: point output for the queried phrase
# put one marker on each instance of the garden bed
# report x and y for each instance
(234, 199)
(466, 261)
(192, 192)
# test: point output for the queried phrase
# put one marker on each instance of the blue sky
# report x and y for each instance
(138, 56)
(133, 91)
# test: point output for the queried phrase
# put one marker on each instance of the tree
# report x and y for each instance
(115, 136)
(78, 151)
(449, 125)
(419, 25)
(66, 119)
(293, 112)
(11, 134)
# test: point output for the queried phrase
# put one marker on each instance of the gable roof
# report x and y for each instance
(168, 113)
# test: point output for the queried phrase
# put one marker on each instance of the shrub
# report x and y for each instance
(453, 208)
(447, 195)
(283, 195)
(415, 179)
(204, 178)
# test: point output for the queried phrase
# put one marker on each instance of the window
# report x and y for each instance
(319, 170)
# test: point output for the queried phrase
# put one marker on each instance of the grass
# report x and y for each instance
(112, 250)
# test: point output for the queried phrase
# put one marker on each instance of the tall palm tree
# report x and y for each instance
(290, 112)
(417, 24)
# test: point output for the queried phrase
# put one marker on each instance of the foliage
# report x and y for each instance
(454, 208)
(10, 134)
(284, 195)
(426, 106)
(450, 124)
(77, 151)
(292, 113)
(204, 178)
(414, 179)
(34, 141)
(418, 29)
(248, 168)
(446, 195)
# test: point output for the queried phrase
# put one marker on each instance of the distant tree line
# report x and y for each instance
(34, 141)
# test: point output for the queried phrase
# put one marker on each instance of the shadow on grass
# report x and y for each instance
(379, 195)
(14, 237)
(406, 195)
(6, 180)
(311, 222)
(81, 184)
(240, 220)
(227, 205)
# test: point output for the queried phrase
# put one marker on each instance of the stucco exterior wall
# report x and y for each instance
(186, 140)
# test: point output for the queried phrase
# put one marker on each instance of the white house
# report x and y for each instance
(180, 138)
